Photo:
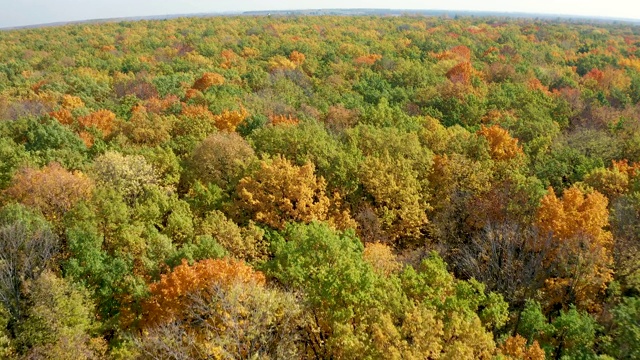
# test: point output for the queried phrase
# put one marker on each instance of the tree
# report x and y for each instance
(52, 190)
(222, 159)
(169, 297)
(239, 320)
(208, 80)
(397, 197)
(27, 245)
(501, 144)
(127, 174)
(59, 323)
(228, 120)
(515, 347)
(580, 253)
(280, 192)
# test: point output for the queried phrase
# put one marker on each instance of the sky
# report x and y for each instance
(31, 12)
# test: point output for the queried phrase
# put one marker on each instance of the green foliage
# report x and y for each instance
(379, 121)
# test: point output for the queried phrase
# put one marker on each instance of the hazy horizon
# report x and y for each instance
(34, 12)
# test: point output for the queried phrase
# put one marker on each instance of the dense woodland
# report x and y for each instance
(322, 188)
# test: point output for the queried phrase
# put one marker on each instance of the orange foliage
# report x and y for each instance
(197, 112)
(102, 120)
(460, 73)
(63, 116)
(229, 59)
(595, 74)
(192, 94)
(207, 80)
(624, 167)
(462, 52)
(367, 59)
(501, 144)
(284, 120)
(515, 347)
(52, 189)
(228, 120)
(297, 57)
(581, 247)
(535, 84)
(157, 106)
(170, 296)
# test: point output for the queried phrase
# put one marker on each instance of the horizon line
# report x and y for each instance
(306, 12)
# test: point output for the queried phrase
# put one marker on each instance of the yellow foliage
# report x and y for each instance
(501, 144)
(207, 80)
(280, 192)
(580, 250)
(228, 120)
(280, 62)
(381, 258)
(71, 102)
(515, 348)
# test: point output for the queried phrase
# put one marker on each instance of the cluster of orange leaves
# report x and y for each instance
(367, 59)
(229, 59)
(623, 166)
(578, 224)
(53, 190)
(297, 57)
(207, 80)
(284, 120)
(101, 120)
(170, 296)
(535, 84)
(595, 74)
(228, 120)
(158, 106)
(461, 73)
(459, 53)
(501, 145)
(515, 347)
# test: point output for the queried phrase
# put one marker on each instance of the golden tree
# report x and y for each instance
(515, 348)
(297, 57)
(580, 253)
(228, 120)
(208, 80)
(280, 192)
(501, 144)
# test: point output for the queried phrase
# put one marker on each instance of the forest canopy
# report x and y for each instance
(320, 187)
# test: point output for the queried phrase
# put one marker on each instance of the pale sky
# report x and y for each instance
(30, 12)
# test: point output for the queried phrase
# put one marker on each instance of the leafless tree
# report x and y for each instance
(24, 254)
(508, 258)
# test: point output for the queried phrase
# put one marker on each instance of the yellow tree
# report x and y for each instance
(280, 192)
(580, 253)
(208, 80)
(501, 145)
